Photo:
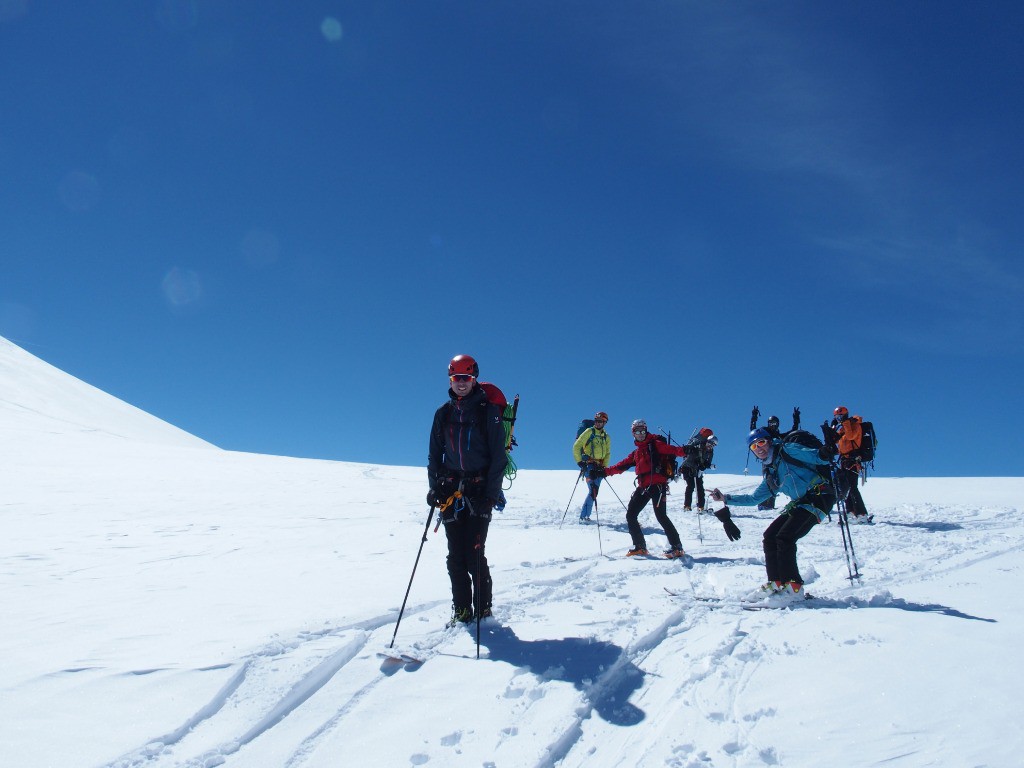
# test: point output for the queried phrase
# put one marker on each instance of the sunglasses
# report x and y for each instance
(461, 377)
(640, 431)
(760, 443)
(599, 421)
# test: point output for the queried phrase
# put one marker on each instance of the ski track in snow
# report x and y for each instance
(328, 676)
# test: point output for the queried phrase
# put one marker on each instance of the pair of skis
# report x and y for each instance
(766, 604)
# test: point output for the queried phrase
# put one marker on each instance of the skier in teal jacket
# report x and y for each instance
(802, 474)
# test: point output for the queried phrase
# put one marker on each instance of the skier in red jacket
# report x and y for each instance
(652, 485)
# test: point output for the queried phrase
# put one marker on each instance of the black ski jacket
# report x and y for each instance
(467, 440)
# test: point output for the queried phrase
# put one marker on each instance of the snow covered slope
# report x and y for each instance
(38, 401)
(166, 605)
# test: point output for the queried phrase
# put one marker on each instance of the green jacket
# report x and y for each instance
(593, 443)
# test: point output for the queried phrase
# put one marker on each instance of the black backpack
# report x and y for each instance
(584, 426)
(663, 463)
(802, 437)
(868, 442)
(705, 454)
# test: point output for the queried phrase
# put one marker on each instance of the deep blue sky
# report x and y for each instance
(272, 224)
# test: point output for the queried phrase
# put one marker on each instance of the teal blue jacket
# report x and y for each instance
(794, 477)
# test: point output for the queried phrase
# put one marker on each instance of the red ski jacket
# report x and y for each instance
(646, 473)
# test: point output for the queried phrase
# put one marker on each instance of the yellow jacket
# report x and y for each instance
(593, 443)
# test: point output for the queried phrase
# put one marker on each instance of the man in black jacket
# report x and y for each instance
(695, 463)
(465, 466)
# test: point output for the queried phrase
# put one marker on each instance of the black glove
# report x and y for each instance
(582, 464)
(830, 436)
(796, 418)
(596, 472)
(432, 499)
(730, 527)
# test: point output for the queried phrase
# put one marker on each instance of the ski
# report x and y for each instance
(412, 655)
(868, 519)
(399, 659)
(727, 602)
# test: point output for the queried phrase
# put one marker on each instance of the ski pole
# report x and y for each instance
(840, 510)
(578, 478)
(597, 516)
(617, 496)
(844, 526)
(407, 589)
(479, 590)
(849, 535)
(699, 478)
(753, 425)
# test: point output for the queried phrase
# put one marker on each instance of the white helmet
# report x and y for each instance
(638, 424)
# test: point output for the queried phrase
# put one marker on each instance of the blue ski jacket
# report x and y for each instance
(789, 469)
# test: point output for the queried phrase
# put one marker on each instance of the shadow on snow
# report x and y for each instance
(931, 527)
(893, 602)
(601, 671)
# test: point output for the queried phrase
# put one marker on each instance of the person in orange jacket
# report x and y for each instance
(849, 435)
(652, 486)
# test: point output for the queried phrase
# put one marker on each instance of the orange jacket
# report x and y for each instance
(850, 434)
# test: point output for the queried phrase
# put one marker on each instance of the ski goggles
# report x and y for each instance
(640, 431)
(602, 422)
(759, 443)
(461, 377)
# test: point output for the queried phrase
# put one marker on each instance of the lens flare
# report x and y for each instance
(181, 287)
(330, 28)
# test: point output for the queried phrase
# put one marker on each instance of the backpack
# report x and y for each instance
(707, 456)
(802, 437)
(508, 419)
(584, 426)
(663, 463)
(868, 442)
(703, 457)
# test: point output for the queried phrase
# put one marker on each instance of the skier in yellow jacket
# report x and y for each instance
(592, 448)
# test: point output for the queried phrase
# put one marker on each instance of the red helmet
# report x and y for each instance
(706, 432)
(601, 416)
(841, 412)
(463, 364)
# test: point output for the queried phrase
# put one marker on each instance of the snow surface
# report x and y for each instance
(166, 603)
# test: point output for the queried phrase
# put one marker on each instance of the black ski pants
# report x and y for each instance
(780, 539)
(467, 562)
(693, 478)
(658, 496)
(854, 501)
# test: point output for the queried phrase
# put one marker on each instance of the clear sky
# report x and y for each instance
(272, 224)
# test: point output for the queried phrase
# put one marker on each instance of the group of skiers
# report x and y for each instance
(468, 455)
(653, 459)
